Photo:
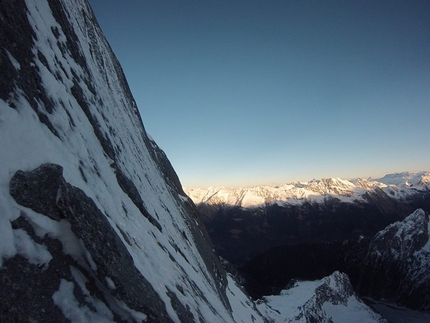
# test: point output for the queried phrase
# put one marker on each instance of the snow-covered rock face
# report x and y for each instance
(94, 225)
(398, 263)
(329, 300)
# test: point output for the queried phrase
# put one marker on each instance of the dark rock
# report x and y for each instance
(239, 234)
(269, 272)
(336, 289)
(45, 190)
(397, 266)
(39, 189)
(17, 39)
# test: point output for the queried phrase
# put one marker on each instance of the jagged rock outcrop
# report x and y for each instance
(397, 265)
(45, 191)
(329, 300)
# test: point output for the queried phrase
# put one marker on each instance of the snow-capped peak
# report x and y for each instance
(315, 190)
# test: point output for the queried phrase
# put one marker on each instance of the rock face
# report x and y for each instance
(397, 265)
(330, 300)
(94, 224)
(44, 190)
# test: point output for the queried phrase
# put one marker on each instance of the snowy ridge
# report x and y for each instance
(330, 299)
(395, 185)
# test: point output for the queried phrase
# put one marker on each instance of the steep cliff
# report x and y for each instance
(94, 224)
(397, 265)
(329, 300)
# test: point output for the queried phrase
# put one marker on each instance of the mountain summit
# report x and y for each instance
(398, 185)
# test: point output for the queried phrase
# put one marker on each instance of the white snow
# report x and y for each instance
(25, 246)
(29, 143)
(292, 303)
(97, 304)
(66, 301)
(110, 282)
(402, 178)
(136, 315)
(13, 60)
(355, 311)
(313, 191)
(244, 310)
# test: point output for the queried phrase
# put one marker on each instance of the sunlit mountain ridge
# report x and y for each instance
(397, 185)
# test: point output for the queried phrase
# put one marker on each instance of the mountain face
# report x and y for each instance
(94, 224)
(329, 300)
(244, 222)
(399, 186)
(397, 265)
(308, 230)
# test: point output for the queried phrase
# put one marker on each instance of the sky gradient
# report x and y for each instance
(268, 92)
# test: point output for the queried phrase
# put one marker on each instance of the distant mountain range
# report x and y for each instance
(307, 230)
(398, 185)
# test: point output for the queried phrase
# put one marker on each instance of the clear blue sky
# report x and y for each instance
(262, 92)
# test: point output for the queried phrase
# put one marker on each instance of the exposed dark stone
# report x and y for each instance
(17, 38)
(27, 289)
(45, 190)
(72, 39)
(203, 244)
(397, 267)
(21, 283)
(269, 272)
(81, 170)
(239, 234)
(104, 141)
(113, 259)
(13, 23)
(183, 313)
(39, 189)
(165, 166)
